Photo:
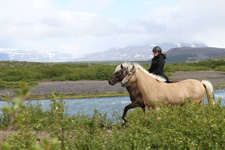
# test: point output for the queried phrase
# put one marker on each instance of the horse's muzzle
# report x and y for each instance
(111, 82)
(123, 84)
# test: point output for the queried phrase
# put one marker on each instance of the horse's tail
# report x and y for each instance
(209, 89)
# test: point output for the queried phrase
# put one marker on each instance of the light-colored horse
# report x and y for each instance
(134, 92)
(154, 91)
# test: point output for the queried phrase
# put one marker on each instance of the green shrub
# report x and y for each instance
(74, 76)
(172, 127)
(220, 68)
(34, 72)
(2, 84)
(58, 79)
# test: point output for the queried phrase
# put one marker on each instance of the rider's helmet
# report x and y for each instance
(157, 49)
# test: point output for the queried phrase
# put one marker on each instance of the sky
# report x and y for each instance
(81, 27)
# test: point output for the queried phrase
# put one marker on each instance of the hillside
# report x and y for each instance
(132, 53)
(33, 56)
(129, 53)
(191, 54)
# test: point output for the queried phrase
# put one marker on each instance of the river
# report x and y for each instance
(103, 104)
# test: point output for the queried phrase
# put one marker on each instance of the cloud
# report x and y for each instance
(192, 20)
(87, 26)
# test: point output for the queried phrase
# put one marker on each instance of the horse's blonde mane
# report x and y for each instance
(137, 66)
(125, 64)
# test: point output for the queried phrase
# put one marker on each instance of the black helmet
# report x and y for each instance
(157, 49)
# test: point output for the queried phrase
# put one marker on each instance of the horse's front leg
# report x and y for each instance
(157, 108)
(143, 108)
(132, 105)
(147, 107)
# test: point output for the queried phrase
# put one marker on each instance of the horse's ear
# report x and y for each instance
(121, 66)
(133, 68)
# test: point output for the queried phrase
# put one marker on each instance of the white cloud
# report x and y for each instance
(85, 26)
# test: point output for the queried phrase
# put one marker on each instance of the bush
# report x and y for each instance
(172, 127)
(34, 72)
(74, 77)
(58, 79)
(220, 68)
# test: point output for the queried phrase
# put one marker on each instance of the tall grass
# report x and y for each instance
(32, 73)
(187, 127)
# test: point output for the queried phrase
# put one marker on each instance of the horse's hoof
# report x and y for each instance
(123, 124)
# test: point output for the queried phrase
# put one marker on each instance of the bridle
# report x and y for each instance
(130, 77)
(115, 79)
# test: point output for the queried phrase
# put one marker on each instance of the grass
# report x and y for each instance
(71, 95)
(187, 127)
(80, 95)
(33, 73)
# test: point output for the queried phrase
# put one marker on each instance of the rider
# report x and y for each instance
(158, 63)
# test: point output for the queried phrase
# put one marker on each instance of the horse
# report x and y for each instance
(134, 92)
(153, 91)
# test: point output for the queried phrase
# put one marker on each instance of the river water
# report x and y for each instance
(103, 104)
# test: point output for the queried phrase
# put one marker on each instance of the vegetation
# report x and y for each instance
(188, 127)
(208, 65)
(13, 72)
(34, 72)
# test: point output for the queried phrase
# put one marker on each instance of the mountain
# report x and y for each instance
(190, 54)
(176, 52)
(33, 56)
(132, 53)
(4, 56)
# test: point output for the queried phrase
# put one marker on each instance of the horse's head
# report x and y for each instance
(130, 78)
(119, 75)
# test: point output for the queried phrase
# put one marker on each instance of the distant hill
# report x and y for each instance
(33, 56)
(4, 56)
(176, 53)
(133, 53)
(190, 54)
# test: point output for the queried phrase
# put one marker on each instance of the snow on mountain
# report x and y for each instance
(33, 56)
(134, 52)
(129, 53)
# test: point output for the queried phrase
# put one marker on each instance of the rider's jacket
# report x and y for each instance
(157, 66)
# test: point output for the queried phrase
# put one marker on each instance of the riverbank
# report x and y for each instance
(90, 88)
(217, 78)
(72, 89)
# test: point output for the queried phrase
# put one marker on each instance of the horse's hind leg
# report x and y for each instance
(157, 108)
(201, 103)
(132, 105)
(143, 108)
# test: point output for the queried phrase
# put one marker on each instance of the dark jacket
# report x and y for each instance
(157, 67)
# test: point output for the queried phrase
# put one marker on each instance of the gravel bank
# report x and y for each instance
(217, 78)
(68, 87)
(77, 87)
